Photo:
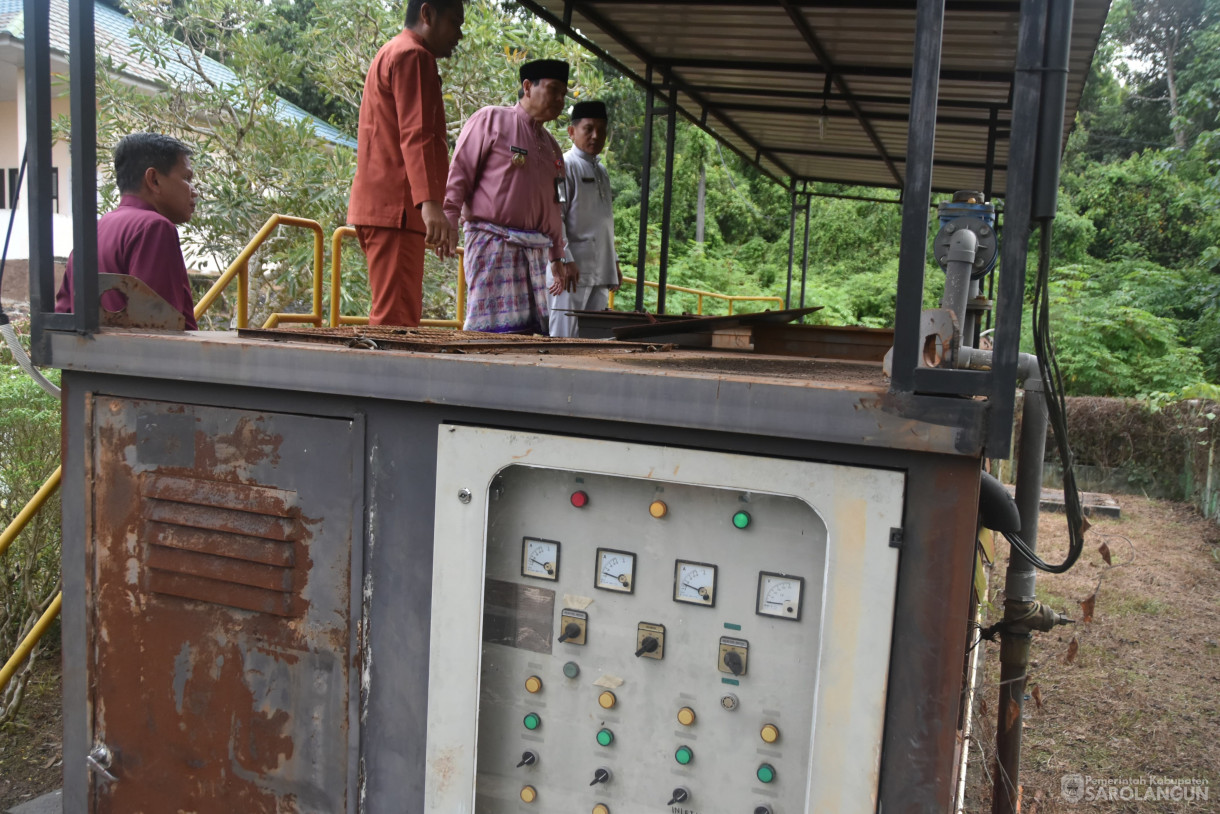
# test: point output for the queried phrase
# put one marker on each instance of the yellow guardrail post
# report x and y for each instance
(240, 267)
(27, 644)
(31, 508)
(336, 287)
(731, 299)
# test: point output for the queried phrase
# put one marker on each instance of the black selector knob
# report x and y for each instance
(602, 775)
(762, 810)
(732, 660)
(649, 645)
(570, 631)
(527, 759)
(681, 795)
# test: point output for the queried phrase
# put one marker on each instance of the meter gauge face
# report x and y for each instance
(695, 583)
(539, 558)
(615, 570)
(779, 595)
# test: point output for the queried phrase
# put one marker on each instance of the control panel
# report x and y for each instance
(658, 629)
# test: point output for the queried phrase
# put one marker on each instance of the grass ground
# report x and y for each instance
(1140, 699)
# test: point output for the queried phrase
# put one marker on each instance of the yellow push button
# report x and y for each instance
(658, 509)
(686, 716)
(528, 794)
(601, 808)
(607, 700)
(769, 733)
(533, 684)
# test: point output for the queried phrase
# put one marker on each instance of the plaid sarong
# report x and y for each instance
(505, 279)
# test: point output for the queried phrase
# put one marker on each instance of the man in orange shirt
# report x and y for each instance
(402, 161)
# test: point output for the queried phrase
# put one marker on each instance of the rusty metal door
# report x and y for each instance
(224, 545)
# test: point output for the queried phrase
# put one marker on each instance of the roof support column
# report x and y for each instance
(645, 181)
(917, 191)
(38, 175)
(805, 255)
(84, 162)
(671, 118)
(791, 242)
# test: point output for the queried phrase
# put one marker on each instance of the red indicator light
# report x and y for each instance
(580, 499)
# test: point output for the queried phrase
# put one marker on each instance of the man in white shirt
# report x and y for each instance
(588, 221)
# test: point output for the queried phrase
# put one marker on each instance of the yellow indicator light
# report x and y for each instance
(533, 684)
(769, 733)
(607, 700)
(658, 509)
(686, 716)
(601, 808)
(528, 794)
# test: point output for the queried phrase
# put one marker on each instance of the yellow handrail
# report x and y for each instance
(25, 515)
(27, 644)
(240, 268)
(336, 287)
(730, 298)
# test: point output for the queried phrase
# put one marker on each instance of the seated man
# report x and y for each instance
(140, 237)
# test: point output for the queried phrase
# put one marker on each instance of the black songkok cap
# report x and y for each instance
(541, 69)
(589, 110)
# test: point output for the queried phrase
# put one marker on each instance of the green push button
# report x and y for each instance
(741, 519)
(532, 721)
(766, 773)
(605, 737)
(571, 669)
(684, 755)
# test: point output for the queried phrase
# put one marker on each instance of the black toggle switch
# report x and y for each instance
(527, 759)
(570, 631)
(602, 775)
(649, 645)
(732, 660)
(681, 795)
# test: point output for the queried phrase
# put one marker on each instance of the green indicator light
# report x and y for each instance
(605, 737)
(532, 721)
(741, 519)
(766, 773)
(731, 626)
(571, 669)
(684, 755)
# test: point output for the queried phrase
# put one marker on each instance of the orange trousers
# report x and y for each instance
(396, 274)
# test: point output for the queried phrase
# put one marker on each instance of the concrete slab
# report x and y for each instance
(1094, 504)
(52, 803)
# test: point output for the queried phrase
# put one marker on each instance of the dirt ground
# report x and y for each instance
(1139, 701)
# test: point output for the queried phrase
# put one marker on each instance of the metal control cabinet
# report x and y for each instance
(624, 628)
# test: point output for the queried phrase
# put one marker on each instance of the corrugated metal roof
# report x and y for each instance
(112, 32)
(748, 69)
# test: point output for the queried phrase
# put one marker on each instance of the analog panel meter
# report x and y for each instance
(779, 595)
(695, 582)
(615, 570)
(539, 558)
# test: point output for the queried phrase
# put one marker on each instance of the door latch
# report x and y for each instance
(99, 761)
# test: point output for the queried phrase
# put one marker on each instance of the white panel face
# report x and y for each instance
(658, 629)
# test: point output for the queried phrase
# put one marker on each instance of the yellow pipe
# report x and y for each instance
(25, 515)
(27, 644)
(336, 287)
(241, 267)
(729, 298)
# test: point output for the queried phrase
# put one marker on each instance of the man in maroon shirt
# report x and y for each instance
(140, 237)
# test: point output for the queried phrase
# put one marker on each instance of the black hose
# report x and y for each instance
(1056, 413)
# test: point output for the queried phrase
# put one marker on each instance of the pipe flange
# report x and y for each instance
(988, 245)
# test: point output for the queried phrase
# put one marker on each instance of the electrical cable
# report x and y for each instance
(1056, 410)
(6, 328)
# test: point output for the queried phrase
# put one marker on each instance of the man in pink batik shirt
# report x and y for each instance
(505, 182)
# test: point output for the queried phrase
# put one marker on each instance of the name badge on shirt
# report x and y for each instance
(519, 154)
